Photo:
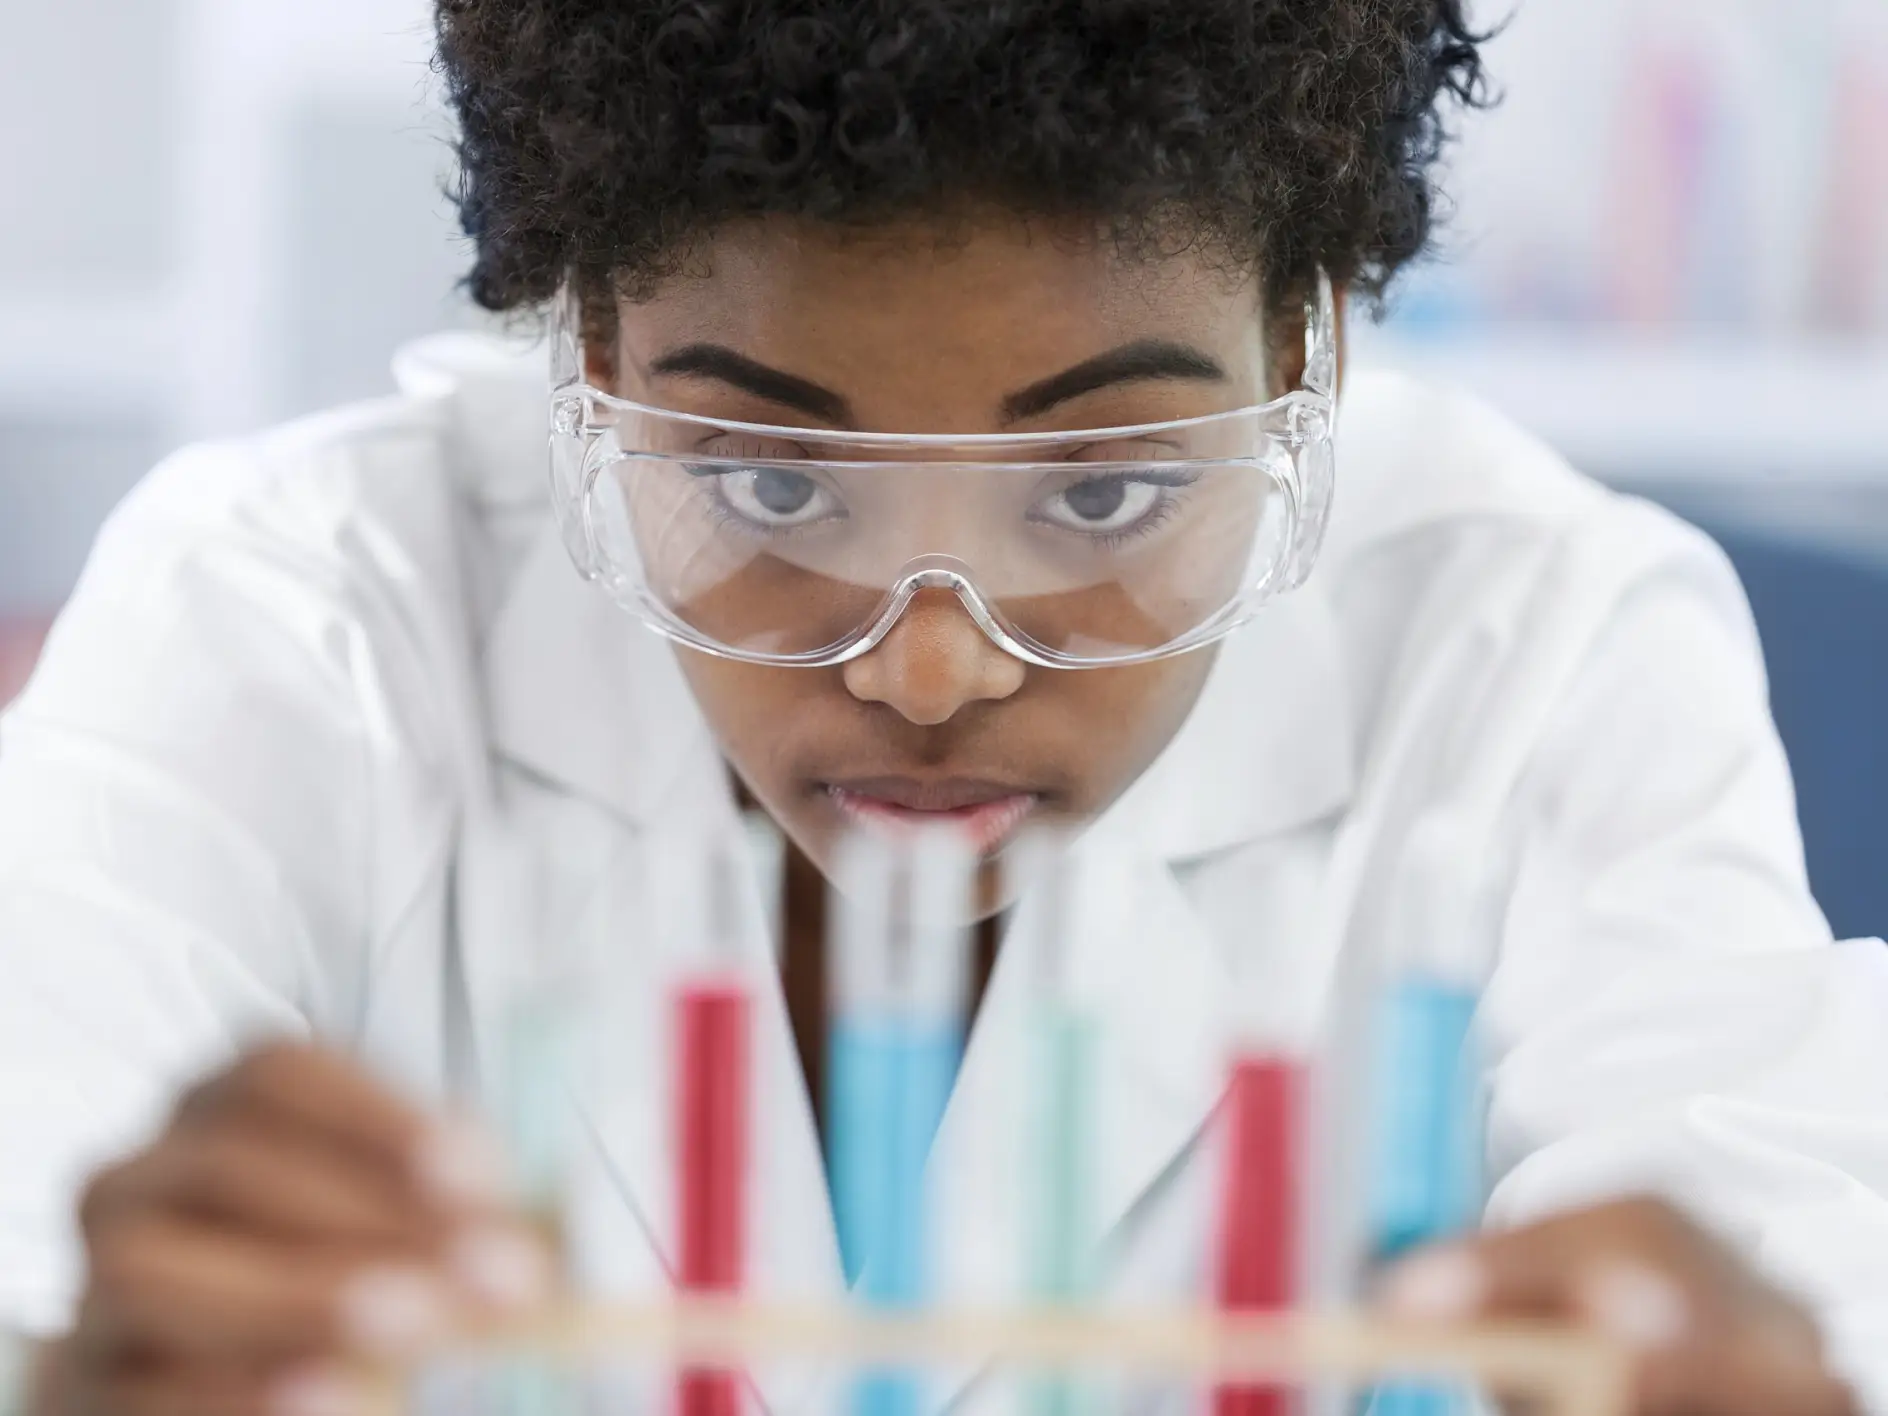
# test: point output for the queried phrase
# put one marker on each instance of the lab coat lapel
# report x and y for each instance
(793, 1253)
(1266, 753)
(583, 696)
(588, 703)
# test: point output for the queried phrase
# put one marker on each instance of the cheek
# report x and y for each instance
(1152, 701)
(746, 706)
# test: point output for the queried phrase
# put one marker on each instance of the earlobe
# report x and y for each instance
(597, 333)
(599, 363)
(1289, 353)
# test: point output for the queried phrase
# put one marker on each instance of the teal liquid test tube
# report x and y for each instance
(899, 976)
(537, 1126)
(1058, 1156)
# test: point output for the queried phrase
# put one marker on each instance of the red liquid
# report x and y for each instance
(711, 1112)
(1258, 1225)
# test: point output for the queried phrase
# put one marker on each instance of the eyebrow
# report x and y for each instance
(717, 361)
(1129, 363)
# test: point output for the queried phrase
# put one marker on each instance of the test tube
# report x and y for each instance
(711, 1019)
(1257, 1268)
(533, 1110)
(18, 1357)
(899, 977)
(544, 1030)
(1061, 1077)
(1262, 1215)
(1426, 1163)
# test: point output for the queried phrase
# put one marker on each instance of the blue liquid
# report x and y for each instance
(1428, 1163)
(888, 1082)
(1428, 1155)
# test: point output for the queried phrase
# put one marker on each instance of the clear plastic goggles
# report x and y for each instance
(803, 546)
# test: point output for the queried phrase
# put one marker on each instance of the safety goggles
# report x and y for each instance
(803, 546)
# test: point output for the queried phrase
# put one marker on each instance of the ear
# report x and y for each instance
(1288, 347)
(597, 337)
(599, 362)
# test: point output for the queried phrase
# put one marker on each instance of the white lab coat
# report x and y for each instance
(332, 741)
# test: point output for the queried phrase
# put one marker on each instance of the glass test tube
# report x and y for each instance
(711, 1018)
(1262, 1213)
(533, 1105)
(1427, 1182)
(1426, 1179)
(1061, 1080)
(543, 1034)
(899, 979)
(1257, 1268)
(18, 1356)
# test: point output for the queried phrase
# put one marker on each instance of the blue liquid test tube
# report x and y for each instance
(1427, 1164)
(899, 975)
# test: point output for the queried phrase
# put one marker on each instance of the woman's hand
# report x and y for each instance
(294, 1216)
(1712, 1338)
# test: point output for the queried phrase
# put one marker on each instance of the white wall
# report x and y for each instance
(219, 213)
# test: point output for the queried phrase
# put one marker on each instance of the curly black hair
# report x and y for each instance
(598, 138)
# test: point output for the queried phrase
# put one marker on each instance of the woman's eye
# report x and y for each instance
(1104, 505)
(775, 497)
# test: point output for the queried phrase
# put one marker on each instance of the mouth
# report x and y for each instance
(987, 813)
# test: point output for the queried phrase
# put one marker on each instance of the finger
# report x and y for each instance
(272, 1184)
(222, 1390)
(181, 1288)
(1630, 1267)
(1749, 1378)
(1708, 1335)
(334, 1101)
(175, 1285)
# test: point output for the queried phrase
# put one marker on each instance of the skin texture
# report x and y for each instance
(1002, 306)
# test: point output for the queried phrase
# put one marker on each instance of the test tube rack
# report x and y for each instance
(1560, 1371)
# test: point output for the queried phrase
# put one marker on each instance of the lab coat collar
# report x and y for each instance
(584, 697)
(1268, 746)
(492, 394)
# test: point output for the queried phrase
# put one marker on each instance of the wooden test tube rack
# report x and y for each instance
(1566, 1372)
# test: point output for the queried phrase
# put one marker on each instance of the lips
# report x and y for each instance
(988, 813)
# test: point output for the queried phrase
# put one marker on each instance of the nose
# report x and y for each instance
(933, 662)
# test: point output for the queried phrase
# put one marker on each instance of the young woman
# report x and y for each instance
(952, 386)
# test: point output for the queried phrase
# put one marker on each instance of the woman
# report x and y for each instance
(332, 743)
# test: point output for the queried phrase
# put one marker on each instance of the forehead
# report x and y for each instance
(923, 316)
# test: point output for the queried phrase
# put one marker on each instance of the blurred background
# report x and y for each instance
(1669, 256)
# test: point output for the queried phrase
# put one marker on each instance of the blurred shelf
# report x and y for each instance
(1732, 406)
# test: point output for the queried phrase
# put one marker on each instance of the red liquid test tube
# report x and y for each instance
(1258, 1225)
(711, 1082)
